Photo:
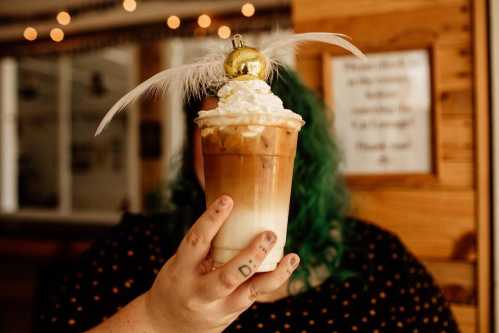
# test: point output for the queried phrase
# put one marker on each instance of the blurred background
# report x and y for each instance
(63, 63)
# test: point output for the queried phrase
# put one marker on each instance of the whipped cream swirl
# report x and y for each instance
(247, 97)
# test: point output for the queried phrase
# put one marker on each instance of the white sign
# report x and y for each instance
(382, 112)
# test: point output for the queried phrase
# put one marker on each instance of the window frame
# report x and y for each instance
(9, 144)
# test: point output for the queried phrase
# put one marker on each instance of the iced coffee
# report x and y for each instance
(249, 145)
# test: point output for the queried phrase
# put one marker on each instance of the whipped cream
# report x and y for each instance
(250, 103)
(247, 97)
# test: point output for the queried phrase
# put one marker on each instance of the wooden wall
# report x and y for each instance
(436, 217)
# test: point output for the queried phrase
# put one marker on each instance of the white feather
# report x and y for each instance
(277, 46)
(192, 79)
(208, 72)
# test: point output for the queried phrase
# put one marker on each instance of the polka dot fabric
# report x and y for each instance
(389, 291)
(113, 272)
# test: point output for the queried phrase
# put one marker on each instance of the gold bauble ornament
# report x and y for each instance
(245, 63)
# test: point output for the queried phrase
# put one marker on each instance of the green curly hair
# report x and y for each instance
(318, 198)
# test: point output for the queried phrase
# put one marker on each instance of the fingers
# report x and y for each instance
(206, 266)
(268, 282)
(196, 243)
(263, 283)
(223, 281)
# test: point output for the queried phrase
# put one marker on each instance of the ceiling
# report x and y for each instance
(95, 15)
(33, 7)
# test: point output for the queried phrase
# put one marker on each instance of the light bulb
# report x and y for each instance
(248, 9)
(224, 32)
(204, 21)
(57, 34)
(129, 5)
(173, 22)
(30, 33)
(63, 18)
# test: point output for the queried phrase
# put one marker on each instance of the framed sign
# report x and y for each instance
(382, 109)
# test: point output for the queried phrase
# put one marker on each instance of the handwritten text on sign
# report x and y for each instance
(382, 112)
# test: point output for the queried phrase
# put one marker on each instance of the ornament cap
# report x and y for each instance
(237, 41)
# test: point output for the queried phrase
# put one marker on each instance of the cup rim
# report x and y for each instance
(258, 119)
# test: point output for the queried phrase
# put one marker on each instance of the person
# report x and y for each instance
(153, 273)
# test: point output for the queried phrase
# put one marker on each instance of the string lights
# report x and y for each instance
(248, 9)
(204, 21)
(30, 34)
(173, 22)
(129, 5)
(57, 34)
(224, 32)
(63, 18)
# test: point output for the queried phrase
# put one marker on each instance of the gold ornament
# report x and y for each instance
(245, 63)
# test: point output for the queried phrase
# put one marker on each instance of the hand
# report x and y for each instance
(188, 296)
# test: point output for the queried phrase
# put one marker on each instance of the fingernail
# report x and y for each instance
(294, 261)
(270, 236)
(223, 201)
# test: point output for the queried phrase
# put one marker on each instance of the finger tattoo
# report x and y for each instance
(245, 270)
(253, 293)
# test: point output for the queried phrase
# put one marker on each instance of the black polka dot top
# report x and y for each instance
(389, 290)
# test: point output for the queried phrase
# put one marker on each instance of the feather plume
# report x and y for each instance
(208, 72)
(278, 45)
(192, 79)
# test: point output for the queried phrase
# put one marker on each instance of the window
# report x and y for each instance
(50, 160)
(37, 134)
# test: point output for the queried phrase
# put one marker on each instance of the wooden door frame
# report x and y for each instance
(482, 159)
(494, 56)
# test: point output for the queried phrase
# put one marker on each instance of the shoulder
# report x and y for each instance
(357, 230)
(375, 245)
(392, 275)
(136, 236)
(374, 251)
(117, 268)
(139, 230)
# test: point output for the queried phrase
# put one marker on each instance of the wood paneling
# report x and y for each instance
(440, 216)
(309, 67)
(306, 11)
(453, 66)
(456, 102)
(466, 318)
(456, 144)
(443, 24)
(456, 174)
(455, 278)
(430, 223)
(404, 206)
(456, 138)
